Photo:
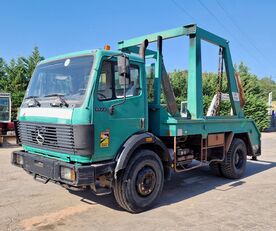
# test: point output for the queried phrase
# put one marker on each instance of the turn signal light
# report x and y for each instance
(107, 47)
(19, 160)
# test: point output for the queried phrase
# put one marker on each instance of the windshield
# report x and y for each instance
(67, 77)
(4, 109)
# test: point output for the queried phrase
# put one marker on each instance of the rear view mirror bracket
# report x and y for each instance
(124, 71)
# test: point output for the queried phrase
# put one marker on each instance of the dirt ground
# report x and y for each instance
(196, 200)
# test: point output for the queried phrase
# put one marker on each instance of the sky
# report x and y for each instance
(60, 26)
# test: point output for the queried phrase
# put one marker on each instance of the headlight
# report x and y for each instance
(19, 160)
(67, 173)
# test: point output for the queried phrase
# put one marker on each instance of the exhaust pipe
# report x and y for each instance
(143, 47)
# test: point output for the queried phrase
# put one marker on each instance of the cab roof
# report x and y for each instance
(100, 52)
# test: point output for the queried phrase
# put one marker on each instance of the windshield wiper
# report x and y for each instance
(34, 102)
(61, 99)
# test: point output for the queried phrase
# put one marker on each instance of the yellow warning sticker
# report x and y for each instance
(104, 139)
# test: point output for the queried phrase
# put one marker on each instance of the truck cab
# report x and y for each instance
(87, 121)
(76, 92)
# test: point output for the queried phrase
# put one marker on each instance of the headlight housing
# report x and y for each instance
(67, 173)
(19, 160)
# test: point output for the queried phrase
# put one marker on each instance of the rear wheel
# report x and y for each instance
(235, 161)
(140, 184)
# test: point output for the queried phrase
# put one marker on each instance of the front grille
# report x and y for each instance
(56, 137)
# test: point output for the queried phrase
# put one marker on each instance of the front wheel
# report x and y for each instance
(235, 161)
(140, 184)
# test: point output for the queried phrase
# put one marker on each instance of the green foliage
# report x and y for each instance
(179, 81)
(255, 93)
(268, 85)
(2, 74)
(255, 98)
(15, 76)
(255, 108)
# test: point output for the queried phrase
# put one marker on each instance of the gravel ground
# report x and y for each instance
(190, 201)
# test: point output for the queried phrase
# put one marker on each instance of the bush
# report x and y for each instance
(255, 93)
(15, 76)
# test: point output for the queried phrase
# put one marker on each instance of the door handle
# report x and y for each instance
(142, 122)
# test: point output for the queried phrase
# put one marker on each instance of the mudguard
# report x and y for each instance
(136, 141)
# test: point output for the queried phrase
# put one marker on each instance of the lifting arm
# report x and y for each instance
(196, 34)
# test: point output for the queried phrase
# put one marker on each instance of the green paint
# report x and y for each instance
(56, 155)
(124, 122)
(195, 102)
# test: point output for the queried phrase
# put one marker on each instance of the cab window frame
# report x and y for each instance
(113, 63)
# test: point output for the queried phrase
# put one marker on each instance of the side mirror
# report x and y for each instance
(124, 73)
(123, 66)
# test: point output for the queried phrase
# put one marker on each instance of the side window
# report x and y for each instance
(111, 85)
(105, 82)
(132, 83)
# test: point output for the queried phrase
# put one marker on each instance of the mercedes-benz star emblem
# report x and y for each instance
(40, 138)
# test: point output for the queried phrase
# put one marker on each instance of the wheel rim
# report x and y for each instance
(146, 180)
(238, 159)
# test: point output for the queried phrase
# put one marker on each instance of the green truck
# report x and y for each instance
(94, 120)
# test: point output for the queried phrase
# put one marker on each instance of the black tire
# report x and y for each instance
(254, 158)
(140, 184)
(215, 168)
(235, 161)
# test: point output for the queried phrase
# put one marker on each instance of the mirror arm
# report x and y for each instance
(111, 108)
(123, 73)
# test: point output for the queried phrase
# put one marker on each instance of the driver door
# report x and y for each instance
(113, 129)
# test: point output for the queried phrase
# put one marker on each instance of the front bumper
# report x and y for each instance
(47, 169)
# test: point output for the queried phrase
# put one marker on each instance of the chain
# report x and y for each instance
(219, 82)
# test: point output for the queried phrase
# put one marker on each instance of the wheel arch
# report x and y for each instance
(245, 138)
(144, 140)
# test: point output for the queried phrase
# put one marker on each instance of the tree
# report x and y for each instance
(15, 76)
(255, 106)
(2, 75)
(179, 81)
(268, 85)
(255, 98)
(32, 61)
